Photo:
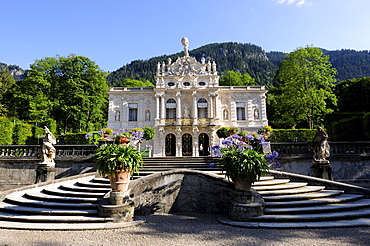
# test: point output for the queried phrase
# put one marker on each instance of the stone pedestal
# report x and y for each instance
(321, 169)
(45, 173)
(117, 205)
(246, 205)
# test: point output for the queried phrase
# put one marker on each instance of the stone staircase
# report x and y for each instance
(72, 204)
(299, 205)
(161, 164)
(69, 205)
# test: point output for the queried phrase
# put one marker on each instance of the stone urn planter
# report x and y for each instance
(120, 180)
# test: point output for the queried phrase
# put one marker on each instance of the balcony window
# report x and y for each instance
(171, 109)
(240, 111)
(132, 111)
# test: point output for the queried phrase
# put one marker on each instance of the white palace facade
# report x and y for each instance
(186, 107)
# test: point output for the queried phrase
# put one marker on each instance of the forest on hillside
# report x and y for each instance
(245, 58)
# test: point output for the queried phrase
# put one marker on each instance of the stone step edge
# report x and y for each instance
(69, 226)
(362, 222)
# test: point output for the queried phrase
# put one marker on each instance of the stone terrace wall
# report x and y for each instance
(181, 191)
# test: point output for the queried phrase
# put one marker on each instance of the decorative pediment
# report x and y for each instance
(186, 66)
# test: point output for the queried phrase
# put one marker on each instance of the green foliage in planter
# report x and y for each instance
(248, 164)
(290, 135)
(6, 131)
(223, 132)
(233, 129)
(21, 133)
(117, 157)
(149, 133)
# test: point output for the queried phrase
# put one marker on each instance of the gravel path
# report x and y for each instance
(187, 231)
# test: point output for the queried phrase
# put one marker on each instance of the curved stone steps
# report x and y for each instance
(340, 198)
(332, 207)
(22, 201)
(359, 222)
(271, 182)
(327, 216)
(300, 190)
(53, 218)
(84, 189)
(17, 209)
(60, 199)
(285, 186)
(93, 184)
(304, 196)
(67, 226)
(66, 193)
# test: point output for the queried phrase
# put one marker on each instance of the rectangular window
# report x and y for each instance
(240, 111)
(132, 111)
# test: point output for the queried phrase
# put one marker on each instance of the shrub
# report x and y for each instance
(22, 132)
(149, 133)
(6, 131)
(223, 132)
(291, 135)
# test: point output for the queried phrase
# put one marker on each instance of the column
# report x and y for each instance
(178, 108)
(158, 106)
(163, 113)
(211, 106)
(195, 108)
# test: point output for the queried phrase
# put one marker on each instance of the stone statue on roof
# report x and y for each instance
(185, 42)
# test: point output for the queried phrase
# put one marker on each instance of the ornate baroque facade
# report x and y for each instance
(187, 107)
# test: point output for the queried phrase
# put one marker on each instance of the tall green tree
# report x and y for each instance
(6, 82)
(71, 90)
(304, 89)
(232, 78)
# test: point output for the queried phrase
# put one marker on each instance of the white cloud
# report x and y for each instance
(298, 3)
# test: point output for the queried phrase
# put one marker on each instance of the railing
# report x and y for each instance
(285, 149)
(300, 149)
(34, 151)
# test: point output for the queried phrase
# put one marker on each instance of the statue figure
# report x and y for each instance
(48, 150)
(320, 145)
(256, 114)
(147, 115)
(187, 111)
(185, 42)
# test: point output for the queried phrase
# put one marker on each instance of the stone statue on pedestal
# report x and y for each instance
(48, 150)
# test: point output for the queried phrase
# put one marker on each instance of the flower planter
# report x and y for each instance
(242, 184)
(146, 153)
(120, 180)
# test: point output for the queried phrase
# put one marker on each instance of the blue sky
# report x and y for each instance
(115, 32)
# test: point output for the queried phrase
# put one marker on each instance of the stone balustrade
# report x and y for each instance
(285, 149)
(33, 151)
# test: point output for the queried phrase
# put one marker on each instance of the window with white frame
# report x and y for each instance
(240, 111)
(132, 111)
(202, 108)
(171, 109)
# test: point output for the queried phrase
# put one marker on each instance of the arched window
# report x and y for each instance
(171, 109)
(202, 108)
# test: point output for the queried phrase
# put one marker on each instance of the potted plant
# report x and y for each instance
(105, 132)
(233, 130)
(242, 163)
(122, 136)
(223, 132)
(118, 162)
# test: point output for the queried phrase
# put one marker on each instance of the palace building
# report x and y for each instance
(186, 107)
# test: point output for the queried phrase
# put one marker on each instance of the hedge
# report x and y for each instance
(22, 132)
(292, 135)
(6, 131)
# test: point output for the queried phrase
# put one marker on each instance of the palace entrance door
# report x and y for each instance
(170, 145)
(187, 145)
(204, 147)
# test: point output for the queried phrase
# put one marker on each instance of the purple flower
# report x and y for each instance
(212, 165)
(275, 153)
(88, 135)
(227, 142)
(270, 158)
(249, 137)
(149, 147)
(216, 147)
(277, 164)
(217, 152)
(236, 136)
